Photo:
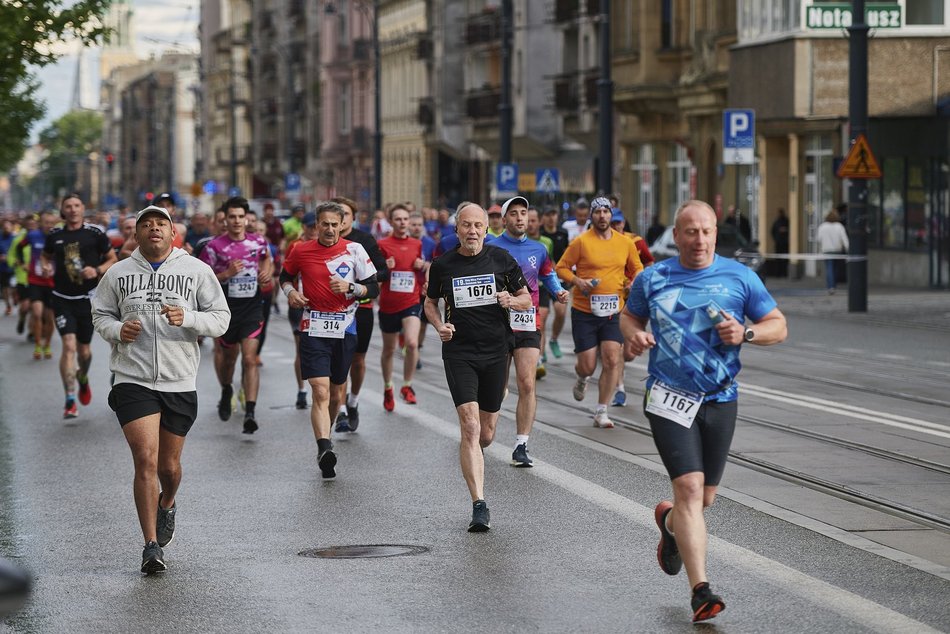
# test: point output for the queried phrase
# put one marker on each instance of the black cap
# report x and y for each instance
(163, 197)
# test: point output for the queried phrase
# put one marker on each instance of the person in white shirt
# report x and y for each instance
(832, 239)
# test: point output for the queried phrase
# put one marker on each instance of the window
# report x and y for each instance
(923, 12)
(679, 168)
(644, 171)
(667, 35)
(344, 110)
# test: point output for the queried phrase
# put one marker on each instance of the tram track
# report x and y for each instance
(789, 474)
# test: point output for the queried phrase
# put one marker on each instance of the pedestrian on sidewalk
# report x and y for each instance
(697, 306)
(832, 240)
(152, 307)
(479, 283)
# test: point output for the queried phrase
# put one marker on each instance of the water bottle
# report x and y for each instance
(714, 314)
(594, 282)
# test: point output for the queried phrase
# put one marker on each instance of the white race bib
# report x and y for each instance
(605, 305)
(329, 325)
(402, 281)
(242, 286)
(474, 290)
(523, 320)
(673, 404)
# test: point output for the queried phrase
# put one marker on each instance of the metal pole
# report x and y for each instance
(233, 134)
(378, 135)
(289, 95)
(858, 190)
(504, 108)
(605, 93)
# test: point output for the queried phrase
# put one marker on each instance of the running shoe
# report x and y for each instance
(250, 425)
(327, 461)
(47, 352)
(241, 399)
(21, 324)
(408, 394)
(481, 518)
(706, 605)
(354, 416)
(302, 400)
(419, 363)
(580, 388)
(153, 559)
(85, 392)
(620, 399)
(555, 349)
(224, 405)
(520, 458)
(389, 401)
(165, 523)
(667, 554)
(540, 372)
(402, 342)
(603, 421)
(37, 353)
(342, 422)
(70, 411)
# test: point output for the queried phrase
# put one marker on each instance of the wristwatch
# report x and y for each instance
(749, 334)
(352, 288)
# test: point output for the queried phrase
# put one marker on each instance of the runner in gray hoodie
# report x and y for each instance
(152, 307)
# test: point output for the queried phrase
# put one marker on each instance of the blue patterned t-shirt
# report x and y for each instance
(689, 354)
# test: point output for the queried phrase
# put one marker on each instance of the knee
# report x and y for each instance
(709, 496)
(321, 393)
(470, 432)
(169, 470)
(486, 437)
(146, 463)
(249, 361)
(689, 489)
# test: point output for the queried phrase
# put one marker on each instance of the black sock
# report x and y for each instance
(226, 391)
(249, 407)
(324, 444)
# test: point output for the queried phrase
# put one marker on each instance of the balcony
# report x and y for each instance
(424, 47)
(566, 97)
(482, 104)
(567, 11)
(483, 29)
(362, 50)
(360, 140)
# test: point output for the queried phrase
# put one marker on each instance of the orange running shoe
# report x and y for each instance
(389, 401)
(408, 394)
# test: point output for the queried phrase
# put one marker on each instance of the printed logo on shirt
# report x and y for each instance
(343, 270)
(533, 261)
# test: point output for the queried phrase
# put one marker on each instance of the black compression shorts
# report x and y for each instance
(73, 317)
(703, 447)
(482, 382)
(364, 329)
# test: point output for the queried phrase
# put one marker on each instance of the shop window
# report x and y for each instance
(892, 204)
(924, 12)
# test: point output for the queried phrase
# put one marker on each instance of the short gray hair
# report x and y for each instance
(330, 206)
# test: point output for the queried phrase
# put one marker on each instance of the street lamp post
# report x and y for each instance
(605, 89)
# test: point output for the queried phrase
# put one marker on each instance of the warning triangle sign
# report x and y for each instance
(860, 162)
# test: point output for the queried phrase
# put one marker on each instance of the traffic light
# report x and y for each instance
(110, 159)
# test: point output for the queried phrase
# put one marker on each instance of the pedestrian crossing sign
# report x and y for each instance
(860, 162)
(547, 181)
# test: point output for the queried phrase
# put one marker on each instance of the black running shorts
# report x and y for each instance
(589, 330)
(525, 339)
(364, 329)
(481, 382)
(73, 317)
(295, 315)
(392, 322)
(43, 294)
(703, 447)
(247, 322)
(324, 356)
(131, 402)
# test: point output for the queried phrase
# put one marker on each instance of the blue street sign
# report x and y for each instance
(547, 181)
(234, 191)
(738, 137)
(210, 187)
(506, 177)
(292, 182)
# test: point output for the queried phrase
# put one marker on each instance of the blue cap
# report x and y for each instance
(309, 219)
(616, 215)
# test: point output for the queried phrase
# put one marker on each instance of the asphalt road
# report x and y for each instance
(572, 545)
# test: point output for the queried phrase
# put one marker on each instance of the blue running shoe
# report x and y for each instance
(620, 398)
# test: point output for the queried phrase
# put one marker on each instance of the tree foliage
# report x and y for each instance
(67, 141)
(32, 33)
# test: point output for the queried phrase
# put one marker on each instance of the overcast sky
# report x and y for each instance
(158, 25)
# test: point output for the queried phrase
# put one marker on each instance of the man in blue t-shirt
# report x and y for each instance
(697, 307)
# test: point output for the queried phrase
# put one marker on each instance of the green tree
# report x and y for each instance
(67, 141)
(31, 33)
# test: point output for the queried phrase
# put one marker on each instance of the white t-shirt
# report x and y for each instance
(832, 237)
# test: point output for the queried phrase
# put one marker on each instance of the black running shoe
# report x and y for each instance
(302, 400)
(667, 553)
(224, 405)
(353, 413)
(342, 422)
(21, 324)
(250, 425)
(165, 524)
(326, 461)
(153, 559)
(706, 605)
(520, 458)
(481, 518)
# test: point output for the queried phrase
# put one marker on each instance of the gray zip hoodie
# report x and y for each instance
(163, 357)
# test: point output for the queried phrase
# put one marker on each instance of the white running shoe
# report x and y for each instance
(580, 388)
(602, 420)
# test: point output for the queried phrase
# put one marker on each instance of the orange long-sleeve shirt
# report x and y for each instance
(613, 261)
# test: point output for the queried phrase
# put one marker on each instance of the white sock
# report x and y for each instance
(621, 388)
(353, 400)
(521, 439)
(304, 392)
(601, 408)
(343, 410)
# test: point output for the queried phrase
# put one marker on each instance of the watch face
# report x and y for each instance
(749, 334)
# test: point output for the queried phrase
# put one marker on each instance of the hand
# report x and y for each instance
(90, 272)
(446, 331)
(563, 296)
(47, 269)
(263, 278)
(296, 299)
(418, 264)
(174, 314)
(130, 330)
(641, 342)
(504, 299)
(339, 285)
(390, 263)
(584, 286)
(730, 331)
(234, 267)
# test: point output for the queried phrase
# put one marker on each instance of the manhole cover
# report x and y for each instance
(360, 552)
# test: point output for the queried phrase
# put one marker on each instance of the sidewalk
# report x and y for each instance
(914, 308)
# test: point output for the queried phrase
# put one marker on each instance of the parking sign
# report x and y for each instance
(506, 178)
(738, 137)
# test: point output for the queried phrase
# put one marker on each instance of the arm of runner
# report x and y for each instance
(265, 270)
(634, 330)
(446, 331)
(106, 313)
(212, 316)
(770, 329)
